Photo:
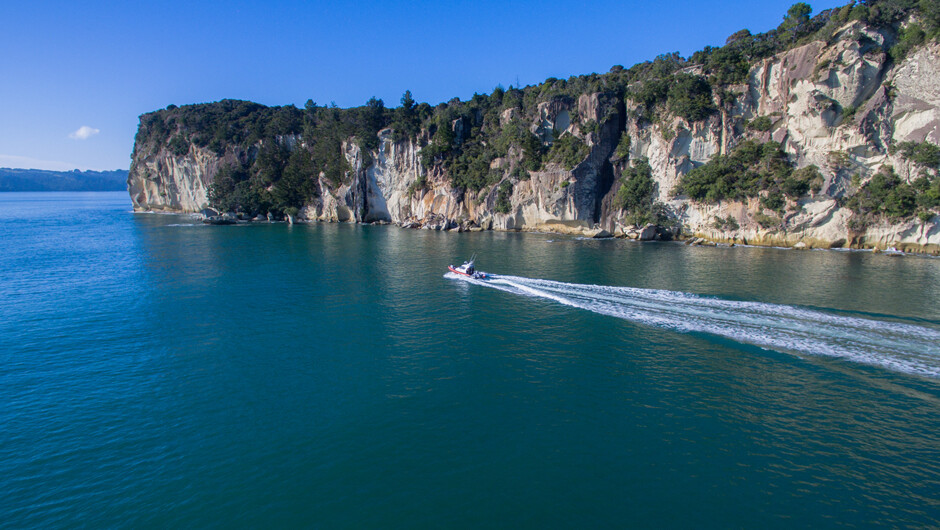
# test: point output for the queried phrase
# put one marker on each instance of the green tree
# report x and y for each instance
(568, 151)
(636, 188)
(885, 194)
(407, 122)
(908, 38)
(441, 143)
(738, 35)
(296, 185)
(797, 15)
(373, 120)
(924, 154)
(503, 197)
(310, 119)
(749, 169)
(690, 96)
(179, 146)
(407, 102)
(622, 151)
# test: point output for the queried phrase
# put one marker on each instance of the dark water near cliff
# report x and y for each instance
(158, 373)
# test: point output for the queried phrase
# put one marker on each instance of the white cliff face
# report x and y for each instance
(674, 148)
(839, 102)
(546, 201)
(550, 199)
(916, 106)
(390, 180)
(337, 203)
(838, 106)
(175, 183)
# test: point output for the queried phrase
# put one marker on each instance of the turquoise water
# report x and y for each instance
(157, 372)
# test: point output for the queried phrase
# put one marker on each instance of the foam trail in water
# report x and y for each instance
(903, 347)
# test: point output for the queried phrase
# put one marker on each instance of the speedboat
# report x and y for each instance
(467, 270)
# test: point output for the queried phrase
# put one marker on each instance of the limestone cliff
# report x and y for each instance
(166, 181)
(806, 91)
(839, 104)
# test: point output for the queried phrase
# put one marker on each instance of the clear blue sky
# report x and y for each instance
(69, 69)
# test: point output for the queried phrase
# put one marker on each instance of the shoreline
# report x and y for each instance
(693, 239)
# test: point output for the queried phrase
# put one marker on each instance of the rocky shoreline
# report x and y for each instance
(647, 233)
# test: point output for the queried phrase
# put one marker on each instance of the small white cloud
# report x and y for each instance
(84, 132)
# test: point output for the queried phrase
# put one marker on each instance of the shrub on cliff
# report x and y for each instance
(234, 190)
(768, 221)
(420, 184)
(908, 38)
(469, 166)
(760, 123)
(636, 187)
(650, 92)
(802, 181)
(516, 134)
(179, 146)
(685, 95)
(773, 201)
(467, 137)
(928, 191)
(885, 194)
(728, 64)
(622, 152)
(568, 151)
(726, 223)
(924, 154)
(635, 196)
(750, 168)
(503, 196)
(442, 141)
(690, 96)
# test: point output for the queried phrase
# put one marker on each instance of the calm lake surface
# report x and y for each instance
(158, 372)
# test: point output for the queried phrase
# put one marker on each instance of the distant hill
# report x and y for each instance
(75, 180)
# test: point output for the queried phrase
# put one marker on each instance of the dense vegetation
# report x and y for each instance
(568, 151)
(924, 154)
(635, 196)
(275, 175)
(885, 194)
(479, 143)
(503, 195)
(748, 170)
(754, 169)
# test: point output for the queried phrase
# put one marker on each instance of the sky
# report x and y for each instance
(75, 76)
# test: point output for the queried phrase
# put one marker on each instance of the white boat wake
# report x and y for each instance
(907, 348)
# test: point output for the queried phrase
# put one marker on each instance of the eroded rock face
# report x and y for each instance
(806, 92)
(175, 183)
(915, 111)
(841, 101)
